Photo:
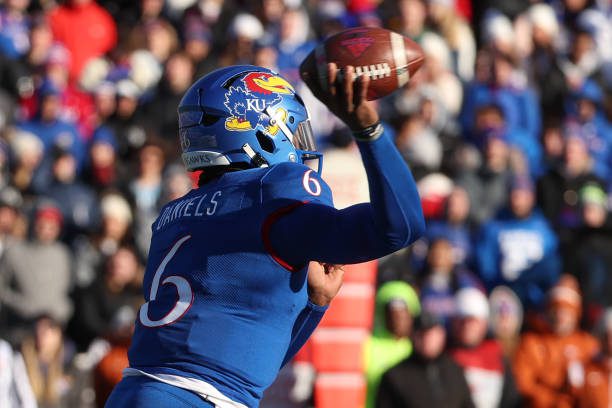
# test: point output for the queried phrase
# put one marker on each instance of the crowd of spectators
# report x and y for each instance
(507, 128)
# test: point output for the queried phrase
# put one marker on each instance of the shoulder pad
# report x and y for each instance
(293, 181)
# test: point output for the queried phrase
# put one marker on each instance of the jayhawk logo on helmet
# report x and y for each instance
(248, 101)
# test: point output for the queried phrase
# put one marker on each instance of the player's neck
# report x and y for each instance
(213, 173)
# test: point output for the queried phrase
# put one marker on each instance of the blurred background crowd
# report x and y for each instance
(507, 127)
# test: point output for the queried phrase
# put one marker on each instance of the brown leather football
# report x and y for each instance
(389, 58)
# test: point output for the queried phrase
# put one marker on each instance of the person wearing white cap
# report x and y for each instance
(243, 32)
(486, 371)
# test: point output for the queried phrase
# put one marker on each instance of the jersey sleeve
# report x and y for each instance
(288, 183)
(315, 231)
(285, 189)
(304, 325)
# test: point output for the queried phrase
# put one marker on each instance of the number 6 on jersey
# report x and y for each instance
(185, 293)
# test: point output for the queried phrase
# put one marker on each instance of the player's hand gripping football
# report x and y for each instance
(324, 282)
(345, 96)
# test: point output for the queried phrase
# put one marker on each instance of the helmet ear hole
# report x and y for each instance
(265, 142)
(209, 120)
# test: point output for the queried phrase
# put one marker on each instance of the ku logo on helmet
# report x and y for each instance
(248, 101)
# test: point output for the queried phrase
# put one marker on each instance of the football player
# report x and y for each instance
(229, 295)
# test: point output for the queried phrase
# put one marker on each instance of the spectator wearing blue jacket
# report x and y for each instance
(518, 102)
(519, 248)
(52, 130)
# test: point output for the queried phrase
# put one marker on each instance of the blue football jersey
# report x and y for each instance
(220, 306)
(225, 284)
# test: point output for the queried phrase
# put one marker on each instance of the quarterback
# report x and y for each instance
(230, 296)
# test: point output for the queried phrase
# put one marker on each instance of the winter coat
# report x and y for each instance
(420, 383)
(383, 350)
(488, 375)
(549, 369)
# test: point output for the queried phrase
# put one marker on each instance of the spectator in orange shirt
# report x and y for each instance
(549, 366)
(597, 391)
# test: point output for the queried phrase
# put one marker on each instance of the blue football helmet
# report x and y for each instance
(245, 116)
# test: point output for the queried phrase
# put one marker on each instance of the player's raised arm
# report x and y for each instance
(392, 220)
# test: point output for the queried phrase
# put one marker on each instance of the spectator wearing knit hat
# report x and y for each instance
(487, 372)
(590, 259)
(549, 366)
(397, 304)
(36, 275)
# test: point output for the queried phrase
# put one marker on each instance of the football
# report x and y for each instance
(388, 58)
